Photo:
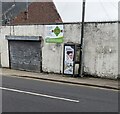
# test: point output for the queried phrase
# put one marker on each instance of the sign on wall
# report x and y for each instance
(54, 34)
(68, 59)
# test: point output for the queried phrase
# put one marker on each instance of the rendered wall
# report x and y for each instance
(100, 47)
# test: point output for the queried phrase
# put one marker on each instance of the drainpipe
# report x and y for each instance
(82, 40)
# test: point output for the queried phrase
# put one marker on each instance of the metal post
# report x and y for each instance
(27, 8)
(82, 40)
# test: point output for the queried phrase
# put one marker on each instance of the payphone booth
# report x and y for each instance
(71, 59)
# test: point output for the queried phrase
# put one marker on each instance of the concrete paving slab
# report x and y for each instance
(97, 82)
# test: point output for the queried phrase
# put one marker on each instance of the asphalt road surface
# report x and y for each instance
(28, 95)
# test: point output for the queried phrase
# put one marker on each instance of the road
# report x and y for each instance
(28, 95)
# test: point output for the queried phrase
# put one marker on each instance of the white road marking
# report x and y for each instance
(38, 94)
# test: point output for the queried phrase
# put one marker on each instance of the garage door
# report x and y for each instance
(25, 55)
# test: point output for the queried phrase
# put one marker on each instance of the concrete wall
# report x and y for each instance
(4, 46)
(100, 47)
(101, 50)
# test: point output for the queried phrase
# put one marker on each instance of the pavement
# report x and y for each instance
(87, 81)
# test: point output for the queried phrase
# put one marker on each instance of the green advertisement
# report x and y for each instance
(54, 34)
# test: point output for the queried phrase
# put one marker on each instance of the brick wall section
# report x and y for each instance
(38, 13)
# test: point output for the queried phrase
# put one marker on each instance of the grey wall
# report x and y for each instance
(100, 47)
(0, 59)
